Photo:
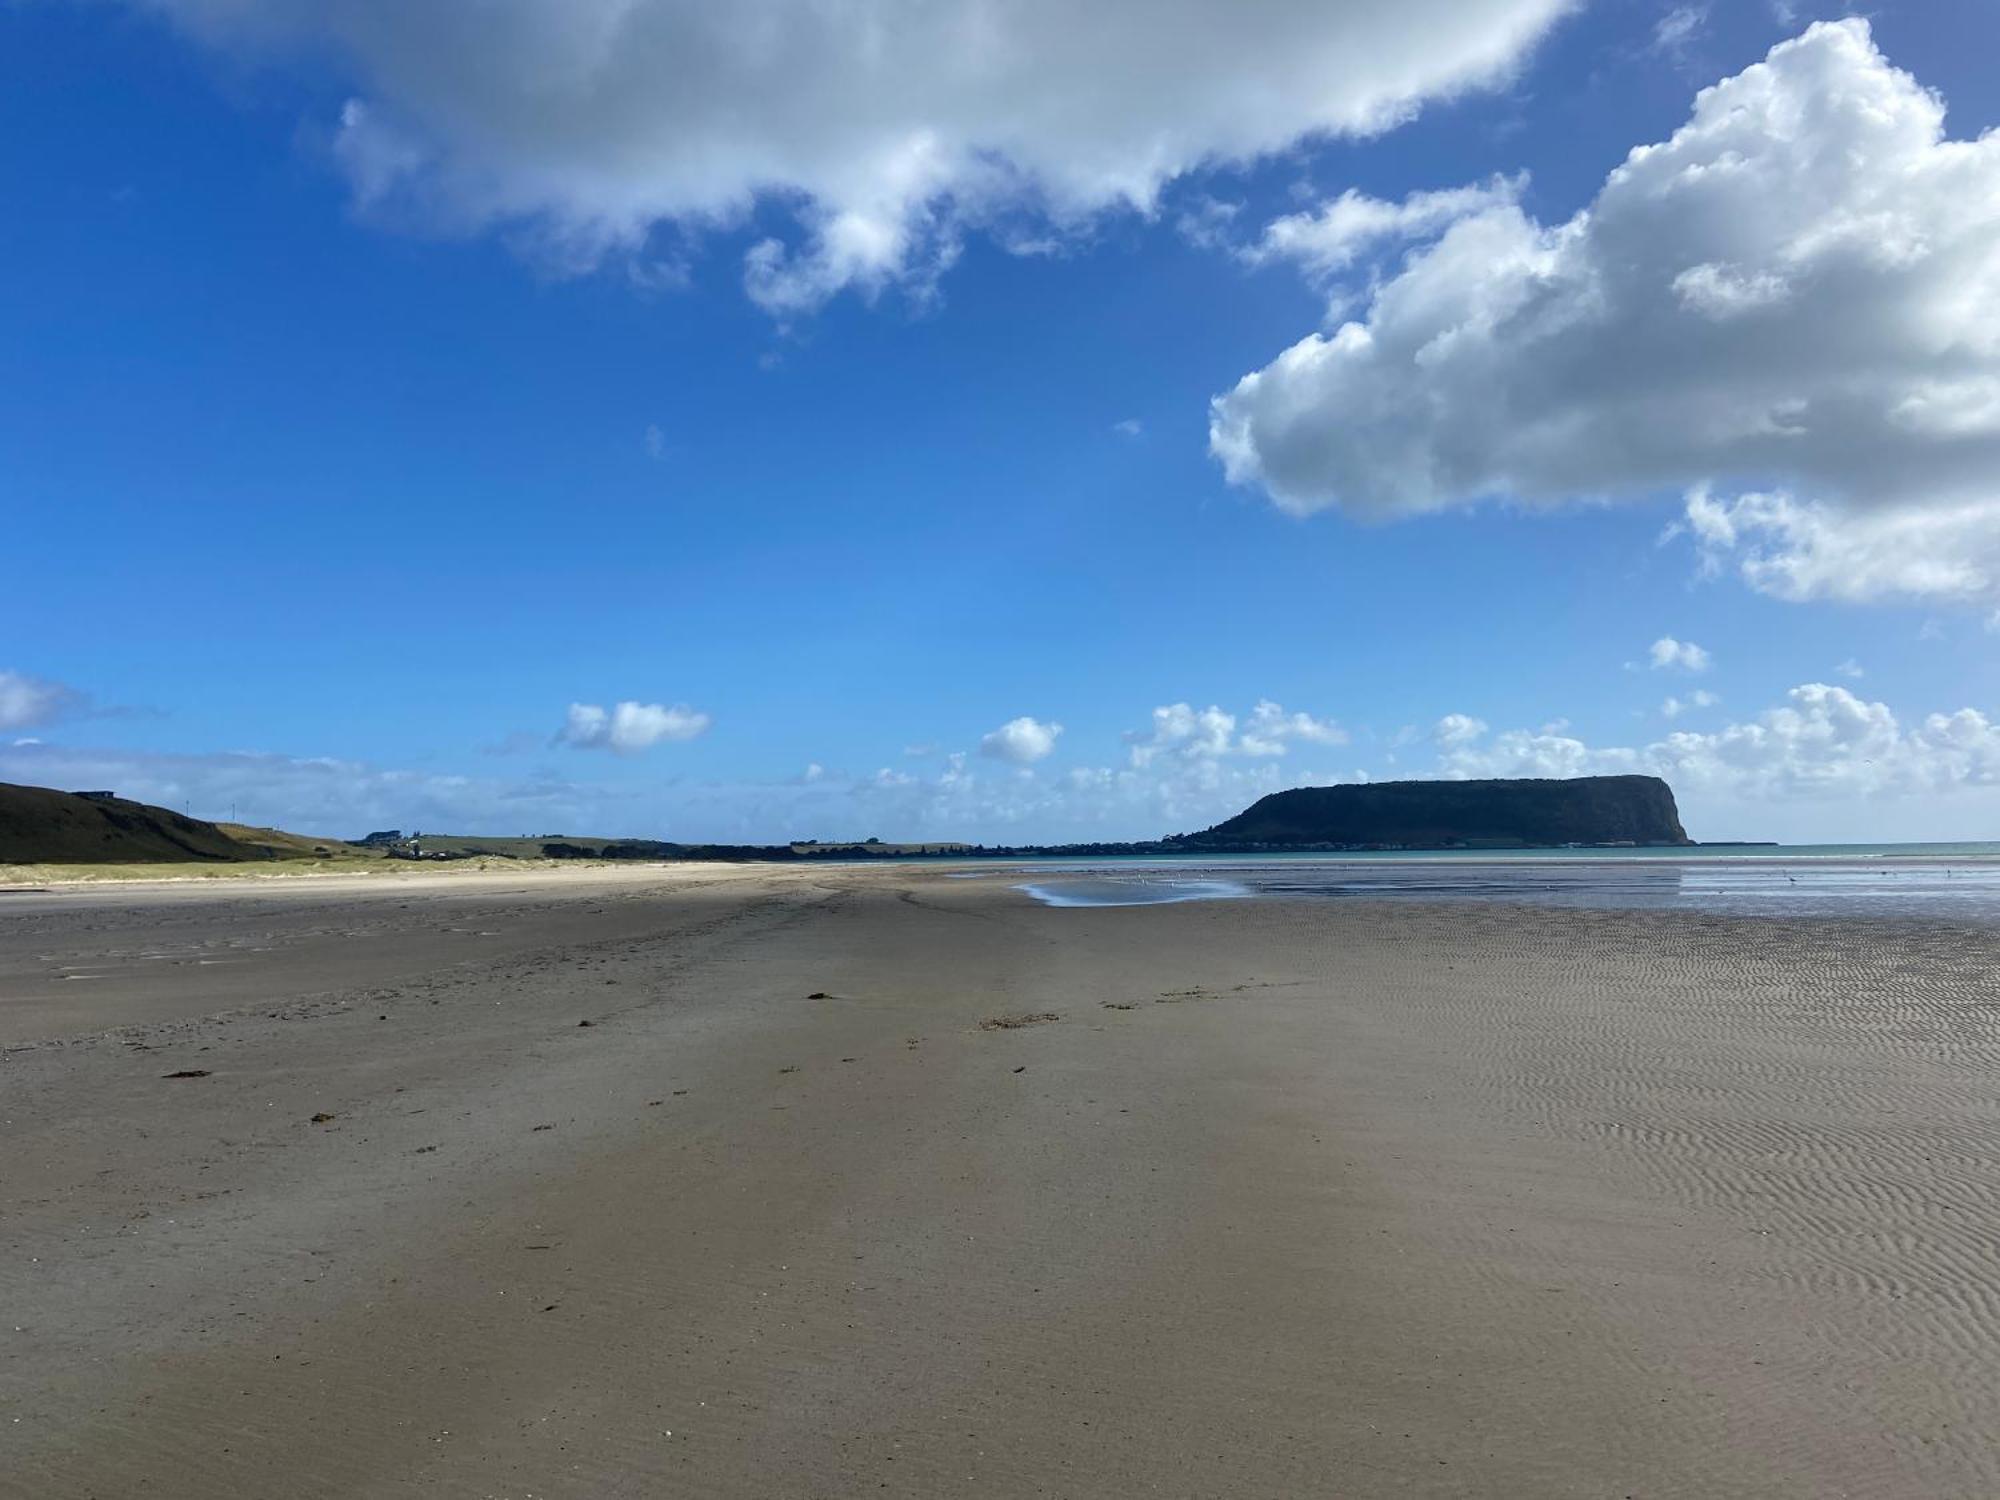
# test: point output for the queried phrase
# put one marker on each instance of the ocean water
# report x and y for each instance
(1133, 890)
(1949, 882)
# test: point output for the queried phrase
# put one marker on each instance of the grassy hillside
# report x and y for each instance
(39, 825)
(277, 844)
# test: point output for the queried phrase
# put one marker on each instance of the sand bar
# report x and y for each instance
(1294, 1198)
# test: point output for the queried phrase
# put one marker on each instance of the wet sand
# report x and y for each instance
(1294, 1198)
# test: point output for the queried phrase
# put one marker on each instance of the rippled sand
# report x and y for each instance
(1292, 1198)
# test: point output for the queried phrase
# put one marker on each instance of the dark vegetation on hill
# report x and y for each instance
(1430, 814)
(42, 826)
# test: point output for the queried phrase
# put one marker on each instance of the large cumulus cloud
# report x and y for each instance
(888, 124)
(1798, 295)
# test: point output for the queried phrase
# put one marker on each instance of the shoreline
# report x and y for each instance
(37, 877)
(1978, 853)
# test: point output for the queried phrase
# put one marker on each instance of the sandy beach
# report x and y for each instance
(747, 1182)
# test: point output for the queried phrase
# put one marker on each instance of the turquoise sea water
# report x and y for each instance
(1952, 882)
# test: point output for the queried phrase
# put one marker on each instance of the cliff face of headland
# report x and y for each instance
(1437, 814)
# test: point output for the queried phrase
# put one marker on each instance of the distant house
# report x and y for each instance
(98, 796)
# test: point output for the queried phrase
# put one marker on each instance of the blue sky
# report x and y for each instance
(360, 422)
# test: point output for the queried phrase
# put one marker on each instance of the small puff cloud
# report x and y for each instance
(1673, 708)
(1670, 655)
(1021, 741)
(1454, 731)
(1330, 239)
(629, 727)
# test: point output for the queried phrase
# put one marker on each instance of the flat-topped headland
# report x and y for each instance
(1522, 813)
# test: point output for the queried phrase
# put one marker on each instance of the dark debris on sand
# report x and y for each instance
(1014, 1023)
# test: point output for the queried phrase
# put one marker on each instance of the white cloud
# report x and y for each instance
(1331, 238)
(1851, 668)
(1675, 31)
(29, 702)
(1802, 767)
(1023, 804)
(887, 128)
(1021, 741)
(1799, 550)
(1456, 730)
(1673, 708)
(630, 727)
(1670, 655)
(1272, 731)
(1131, 427)
(1797, 298)
(1207, 222)
(656, 441)
(1183, 732)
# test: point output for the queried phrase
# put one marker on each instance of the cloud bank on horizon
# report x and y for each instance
(1824, 752)
(614, 129)
(1790, 310)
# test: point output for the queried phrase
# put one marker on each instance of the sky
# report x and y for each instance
(1004, 421)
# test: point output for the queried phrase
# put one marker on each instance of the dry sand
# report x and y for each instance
(1295, 1199)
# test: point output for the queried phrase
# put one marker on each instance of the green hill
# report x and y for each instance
(39, 825)
(275, 843)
